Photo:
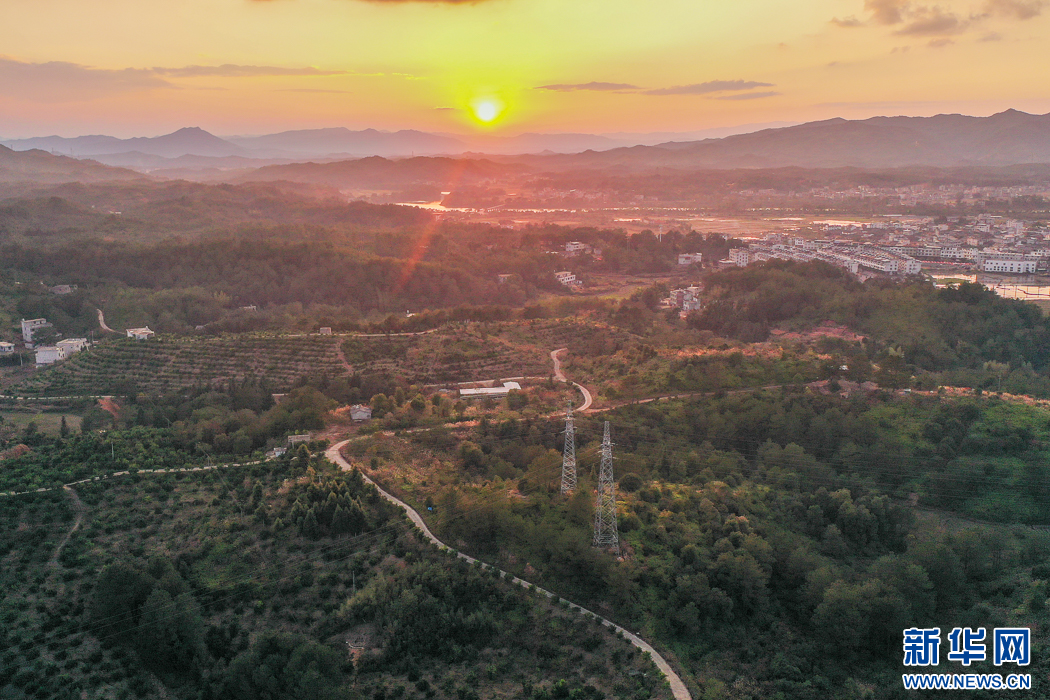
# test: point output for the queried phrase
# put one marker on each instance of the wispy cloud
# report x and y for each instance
(386, 2)
(58, 81)
(593, 85)
(229, 70)
(934, 21)
(913, 19)
(711, 86)
(1017, 9)
(748, 95)
(320, 90)
(886, 11)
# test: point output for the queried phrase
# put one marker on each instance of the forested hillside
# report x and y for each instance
(281, 580)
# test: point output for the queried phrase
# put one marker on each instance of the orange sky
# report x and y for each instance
(134, 68)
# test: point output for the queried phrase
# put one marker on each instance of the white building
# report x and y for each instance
(30, 325)
(6, 348)
(686, 299)
(47, 354)
(739, 256)
(360, 412)
(490, 392)
(72, 345)
(1017, 265)
(143, 333)
(575, 247)
(326, 330)
(567, 278)
(690, 258)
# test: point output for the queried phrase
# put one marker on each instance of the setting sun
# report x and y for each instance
(487, 110)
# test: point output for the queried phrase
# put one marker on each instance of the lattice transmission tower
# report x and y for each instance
(568, 458)
(605, 534)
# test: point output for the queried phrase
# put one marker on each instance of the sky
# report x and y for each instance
(239, 67)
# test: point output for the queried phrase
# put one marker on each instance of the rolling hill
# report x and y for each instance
(40, 167)
(945, 140)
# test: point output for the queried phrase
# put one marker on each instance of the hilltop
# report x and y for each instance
(44, 168)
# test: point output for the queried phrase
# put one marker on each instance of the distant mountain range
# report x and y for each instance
(947, 140)
(188, 141)
(198, 149)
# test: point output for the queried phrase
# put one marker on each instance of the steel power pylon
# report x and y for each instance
(605, 534)
(568, 459)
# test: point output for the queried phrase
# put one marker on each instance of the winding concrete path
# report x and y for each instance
(102, 322)
(559, 374)
(678, 689)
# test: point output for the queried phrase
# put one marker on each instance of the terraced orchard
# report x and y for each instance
(126, 366)
(468, 352)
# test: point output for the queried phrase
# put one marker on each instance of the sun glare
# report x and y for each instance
(487, 109)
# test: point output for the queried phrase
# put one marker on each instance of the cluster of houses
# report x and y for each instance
(850, 257)
(49, 354)
(574, 248)
(686, 298)
(891, 259)
(567, 278)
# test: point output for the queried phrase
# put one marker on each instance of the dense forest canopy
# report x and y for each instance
(936, 329)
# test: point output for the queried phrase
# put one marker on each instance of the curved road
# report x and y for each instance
(678, 689)
(102, 322)
(560, 376)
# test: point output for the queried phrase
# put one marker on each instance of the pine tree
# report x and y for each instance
(310, 527)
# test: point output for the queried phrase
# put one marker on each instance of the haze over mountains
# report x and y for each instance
(45, 168)
(1007, 138)
(195, 147)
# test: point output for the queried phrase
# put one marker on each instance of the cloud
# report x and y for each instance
(233, 71)
(432, 2)
(709, 87)
(926, 20)
(933, 21)
(748, 96)
(58, 81)
(940, 43)
(333, 92)
(991, 36)
(593, 85)
(1016, 9)
(887, 11)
